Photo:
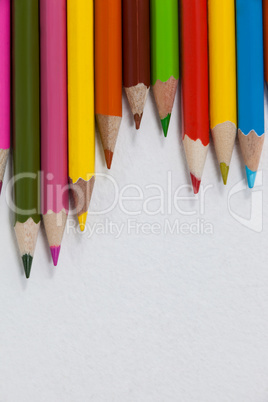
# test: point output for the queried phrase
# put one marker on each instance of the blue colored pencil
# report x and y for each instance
(250, 71)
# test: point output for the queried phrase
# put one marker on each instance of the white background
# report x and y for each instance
(144, 317)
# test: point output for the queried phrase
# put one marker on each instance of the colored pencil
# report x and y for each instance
(222, 68)
(108, 73)
(54, 135)
(165, 56)
(265, 35)
(26, 121)
(136, 55)
(81, 104)
(249, 23)
(194, 39)
(4, 86)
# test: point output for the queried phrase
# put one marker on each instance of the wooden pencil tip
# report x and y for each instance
(82, 219)
(224, 172)
(196, 183)
(165, 124)
(137, 118)
(27, 260)
(1, 185)
(109, 157)
(55, 252)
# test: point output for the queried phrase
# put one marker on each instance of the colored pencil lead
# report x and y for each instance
(137, 119)
(55, 252)
(82, 219)
(109, 158)
(165, 124)
(224, 172)
(27, 260)
(196, 183)
(251, 177)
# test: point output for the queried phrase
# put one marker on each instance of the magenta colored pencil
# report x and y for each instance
(4, 86)
(54, 121)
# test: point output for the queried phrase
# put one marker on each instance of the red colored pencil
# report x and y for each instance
(194, 37)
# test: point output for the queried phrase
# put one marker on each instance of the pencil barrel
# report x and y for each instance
(136, 43)
(4, 75)
(250, 70)
(80, 28)
(194, 41)
(108, 57)
(26, 119)
(164, 40)
(54, 105)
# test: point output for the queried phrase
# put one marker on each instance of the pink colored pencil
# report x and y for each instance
(4, 86)
(54, 121)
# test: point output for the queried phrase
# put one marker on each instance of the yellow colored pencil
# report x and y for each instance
(80, 36)
(223, 93)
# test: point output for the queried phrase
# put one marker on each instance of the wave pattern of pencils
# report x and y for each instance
(87, 49)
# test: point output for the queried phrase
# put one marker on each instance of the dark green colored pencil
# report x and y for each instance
(26, 125)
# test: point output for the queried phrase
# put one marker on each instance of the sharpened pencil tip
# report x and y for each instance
(196, 183)
(224, 172)
(137, 118)
(82, 219)
(1, 184)
(27, 260)
(55, 252)
(251, 176)
(109, 157)
(165, 124)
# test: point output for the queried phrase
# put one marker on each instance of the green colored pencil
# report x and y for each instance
(26, 131)
(165, 56)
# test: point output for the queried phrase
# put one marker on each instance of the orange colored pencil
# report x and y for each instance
(108, 72)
